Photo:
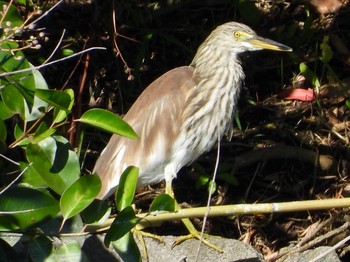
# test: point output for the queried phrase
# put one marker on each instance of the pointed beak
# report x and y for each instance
(264, 43)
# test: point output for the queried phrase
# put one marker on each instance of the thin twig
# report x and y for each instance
(338, 245)
(9, 159)
(318, 228)
(45, 14)
(57, 46)
(16, 212)
(7, 9)
(75, 127)
(209, 197)
(310, 244)
(126, 66)
(324, 237)
(53, 62)
(14, 180)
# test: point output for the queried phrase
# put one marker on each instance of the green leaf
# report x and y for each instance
(237, 120)
(347, 103)
(124, 222)
(39, 106)
(79, 195)
(67, 52)
(5, 113)
(310, 75)
(55, 161)
(10, 62)
(163, 202)
(211, 187)
(60, 115)
(205, 180)
(42, 132)
(31, 177)
(28, 206)
(8, 223)
(18, 133)
(107, 121)
(13, 100)
(97, 211)
(202, 181)
(327, 52)
(70, 252)
(26, 2)
(127, 248)
(58, 99)
(126, 188)
(40, 248)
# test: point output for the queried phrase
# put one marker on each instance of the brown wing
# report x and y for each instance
(156, 116)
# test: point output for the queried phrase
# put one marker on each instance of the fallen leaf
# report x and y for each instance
(297, 94)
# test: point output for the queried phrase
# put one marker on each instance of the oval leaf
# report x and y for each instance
(13, 100)
(127, 248)
(40, 248)
(55, 161)
(124, 222)
(107, 121)
(30, 177)
(98, 212)
(43, 132)
(39, 106)
(60, 115)
(58, 99)
(300, 94)
(70, 252)
(27, 206)
(211, 187)
(5, 112)
(309, 74)
(202, 181)
(163, 202)
(79, 195)
(126, 188)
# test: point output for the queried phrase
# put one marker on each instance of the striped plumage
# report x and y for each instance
(182, 114)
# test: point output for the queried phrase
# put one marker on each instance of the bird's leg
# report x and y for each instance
(187, 222)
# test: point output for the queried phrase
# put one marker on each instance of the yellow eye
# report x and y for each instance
(237, 34)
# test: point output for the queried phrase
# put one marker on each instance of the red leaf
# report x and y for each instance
(297, 94)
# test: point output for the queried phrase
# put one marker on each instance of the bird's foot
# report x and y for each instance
(195, 234)
(140, 235)
(188, 224)
(204, 241)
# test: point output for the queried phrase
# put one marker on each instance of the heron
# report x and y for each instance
(184, 112)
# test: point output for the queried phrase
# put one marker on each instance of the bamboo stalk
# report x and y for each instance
(156, 218)
(149, 219)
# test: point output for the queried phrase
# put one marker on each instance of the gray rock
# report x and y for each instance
(234, 250)
(311, 254)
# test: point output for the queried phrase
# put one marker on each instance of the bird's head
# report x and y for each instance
(239, 38)
(222, 46)
(227, 41)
